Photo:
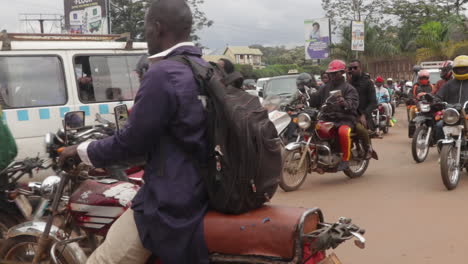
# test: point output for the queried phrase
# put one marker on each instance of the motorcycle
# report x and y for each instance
(282, 234)
(429, 112)
(454, 150)
(19, 202)
(380, 120)
(317, 150)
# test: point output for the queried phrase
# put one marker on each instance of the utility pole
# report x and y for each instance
(41, 18)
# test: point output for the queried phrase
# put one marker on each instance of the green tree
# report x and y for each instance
(342, 12)
(377, 44)
(129, 16)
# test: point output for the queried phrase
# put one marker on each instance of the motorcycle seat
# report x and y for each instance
(269, 231)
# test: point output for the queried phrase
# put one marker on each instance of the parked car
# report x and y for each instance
(282, 86)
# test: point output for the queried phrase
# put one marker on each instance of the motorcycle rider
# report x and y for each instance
(423, 86)
(446, 75)
(383, 97)
(454, 91)
(167, 125)
(306, 85)
(391, 91)
(367, 102)
(343, 110)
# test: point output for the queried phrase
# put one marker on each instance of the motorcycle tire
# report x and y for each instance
(450, 175)
(419, 157)
(385, 130)
(12, 248)
(291, 182)
(362, 166)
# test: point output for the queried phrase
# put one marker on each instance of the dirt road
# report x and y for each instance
(409, 215)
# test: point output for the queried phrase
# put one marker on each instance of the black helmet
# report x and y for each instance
(304, 79)
(142, 65)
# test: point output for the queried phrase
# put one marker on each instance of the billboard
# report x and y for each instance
(86, 16)
(317, 38)
(357, 36)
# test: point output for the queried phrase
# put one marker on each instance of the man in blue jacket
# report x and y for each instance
(167, 124)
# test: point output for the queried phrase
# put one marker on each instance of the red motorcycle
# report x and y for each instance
(317, 150)
(84, 208)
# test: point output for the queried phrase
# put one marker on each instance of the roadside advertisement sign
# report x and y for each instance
(86, 16)
(317, 38)
(357, 36)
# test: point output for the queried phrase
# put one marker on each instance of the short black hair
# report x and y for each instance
(175, 15)
(316, 24)
(358, 61)
(228, 66)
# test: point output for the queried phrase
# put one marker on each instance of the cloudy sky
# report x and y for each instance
(236, 22)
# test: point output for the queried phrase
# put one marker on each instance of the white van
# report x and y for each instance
(42, 77)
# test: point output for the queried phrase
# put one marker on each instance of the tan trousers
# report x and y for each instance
(122, 244)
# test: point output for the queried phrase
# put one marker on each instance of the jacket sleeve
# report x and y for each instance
(155, 105)
(351, 98)
(316, 98)
(372, 98)
(442, 93)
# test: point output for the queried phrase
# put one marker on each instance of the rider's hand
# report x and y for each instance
(420, 94)
(341, 101)
(68, 152)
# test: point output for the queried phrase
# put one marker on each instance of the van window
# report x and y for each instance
(106, 78)
(31, 81)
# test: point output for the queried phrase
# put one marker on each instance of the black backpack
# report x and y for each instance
(244, 165)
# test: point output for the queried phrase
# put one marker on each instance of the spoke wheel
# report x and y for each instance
(419, 148)
(449, 171)
(293, 177)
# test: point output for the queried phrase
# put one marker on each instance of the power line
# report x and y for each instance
(41, 18)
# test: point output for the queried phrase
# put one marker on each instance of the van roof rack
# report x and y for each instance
(432, 64)
(6, 38)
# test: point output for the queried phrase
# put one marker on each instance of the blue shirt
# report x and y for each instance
(170, 207)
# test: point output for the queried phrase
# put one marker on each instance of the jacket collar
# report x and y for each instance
(165, 53)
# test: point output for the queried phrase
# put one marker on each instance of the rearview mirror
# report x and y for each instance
(74, 120)
(260, 93)
(121, 116)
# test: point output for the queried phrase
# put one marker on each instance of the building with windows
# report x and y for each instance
(244, 55)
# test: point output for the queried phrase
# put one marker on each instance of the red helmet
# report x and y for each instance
(379, 79)
(336, 66)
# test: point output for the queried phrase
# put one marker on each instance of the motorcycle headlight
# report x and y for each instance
(304, 121)
(451, 116)
(425, 108)
(49, 186)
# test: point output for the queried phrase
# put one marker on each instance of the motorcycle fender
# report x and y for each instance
(447, 141)
(293, 146)
(36, 228)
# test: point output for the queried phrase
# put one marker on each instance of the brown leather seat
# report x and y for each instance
(268, 231)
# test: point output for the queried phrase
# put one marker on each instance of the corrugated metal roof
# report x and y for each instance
(243, 50)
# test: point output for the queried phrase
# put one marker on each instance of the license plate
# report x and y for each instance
(24, 205)
(452, 130)
(331, 259)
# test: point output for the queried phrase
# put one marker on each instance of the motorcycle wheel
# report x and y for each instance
(357, 166)
(419, 138)
(450, 174)
(23, 249)
(292, 177)
(385, 130)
